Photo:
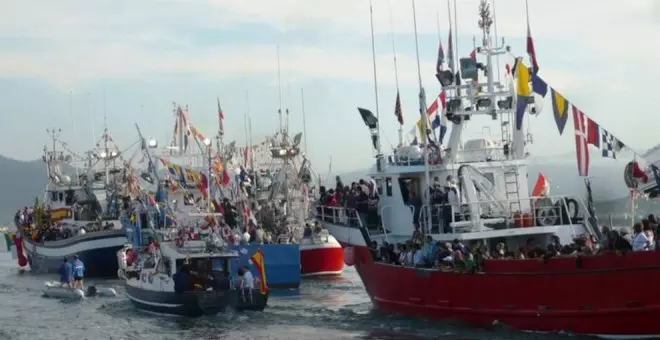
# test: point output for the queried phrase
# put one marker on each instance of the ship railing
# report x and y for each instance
(484, 216)
(487, 154)
(340, 215)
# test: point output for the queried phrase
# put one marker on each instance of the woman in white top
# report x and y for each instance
(640, 240)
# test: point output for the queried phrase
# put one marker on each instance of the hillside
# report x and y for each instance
(20, 182)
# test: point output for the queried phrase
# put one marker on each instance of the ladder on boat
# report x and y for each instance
(512, 189)
(505, 125)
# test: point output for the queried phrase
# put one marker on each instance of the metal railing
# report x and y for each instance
(475, 216)
(472, 155)
(482, 216)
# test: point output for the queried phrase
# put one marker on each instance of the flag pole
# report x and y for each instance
(396, 69)
(497, 57)
(439, 113)
(373, 61)
(425, 121)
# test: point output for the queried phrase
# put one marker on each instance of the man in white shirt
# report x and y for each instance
(248, 279)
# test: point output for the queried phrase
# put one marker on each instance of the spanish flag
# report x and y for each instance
(258, 261)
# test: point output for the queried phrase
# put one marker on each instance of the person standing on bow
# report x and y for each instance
(78, 273)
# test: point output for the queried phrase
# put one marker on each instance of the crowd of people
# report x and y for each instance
(426, 253)
(361, 196)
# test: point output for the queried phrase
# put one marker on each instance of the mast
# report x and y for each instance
(91, 117)
(379, 154)
(179, 116)
(209, 182)
(302, 99)
(221, 129)
(396, 69)
(245, 127)
(250, 139)
(279, 88)
(425, 120)
(105, 143)
(497, 58)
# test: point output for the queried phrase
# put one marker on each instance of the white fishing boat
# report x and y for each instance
(79, 214)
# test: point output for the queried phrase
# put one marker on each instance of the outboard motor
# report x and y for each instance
(91, 291)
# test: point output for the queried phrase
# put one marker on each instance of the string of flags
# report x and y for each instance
(587, 131)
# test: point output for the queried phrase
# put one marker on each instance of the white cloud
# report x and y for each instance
(123, 38)
(68, 42)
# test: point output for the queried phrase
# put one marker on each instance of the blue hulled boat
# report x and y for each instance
(175, 200)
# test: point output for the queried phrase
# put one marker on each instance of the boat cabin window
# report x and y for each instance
(379, 185)
(144, 223)
(69, 197)
(408, 186)
(54, 197)
(388, 186)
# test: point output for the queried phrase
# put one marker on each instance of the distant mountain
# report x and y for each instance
(20, 182)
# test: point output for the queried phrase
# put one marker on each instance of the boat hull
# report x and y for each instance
(282, 263)
(194, 304)
(325, 258)
(98, 251)
(596, 295)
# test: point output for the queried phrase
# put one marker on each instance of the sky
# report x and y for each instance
(66, 64)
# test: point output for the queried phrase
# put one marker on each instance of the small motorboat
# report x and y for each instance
(54, 289)
(189, 278)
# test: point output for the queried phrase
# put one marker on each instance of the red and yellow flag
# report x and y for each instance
(258, 261)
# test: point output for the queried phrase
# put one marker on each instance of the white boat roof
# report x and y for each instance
(195, 249)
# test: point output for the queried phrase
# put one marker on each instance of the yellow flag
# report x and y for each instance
(522, 79)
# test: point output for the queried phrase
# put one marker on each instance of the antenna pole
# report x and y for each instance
(396, 69)
(456, 32)
(450, 58)
(105, 141)
(245, 116)
(425, 120)
(250, 139)
(373, 57)
(497, 58)
(302, 99)
(73, 118)
(279, 86)
(245, 124)
(90, 112)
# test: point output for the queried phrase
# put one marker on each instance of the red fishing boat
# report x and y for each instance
(321, 255)
(487, 206)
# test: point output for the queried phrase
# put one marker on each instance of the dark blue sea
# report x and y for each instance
(321, 309)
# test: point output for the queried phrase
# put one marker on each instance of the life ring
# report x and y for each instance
(546, 216)
(226, 232)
